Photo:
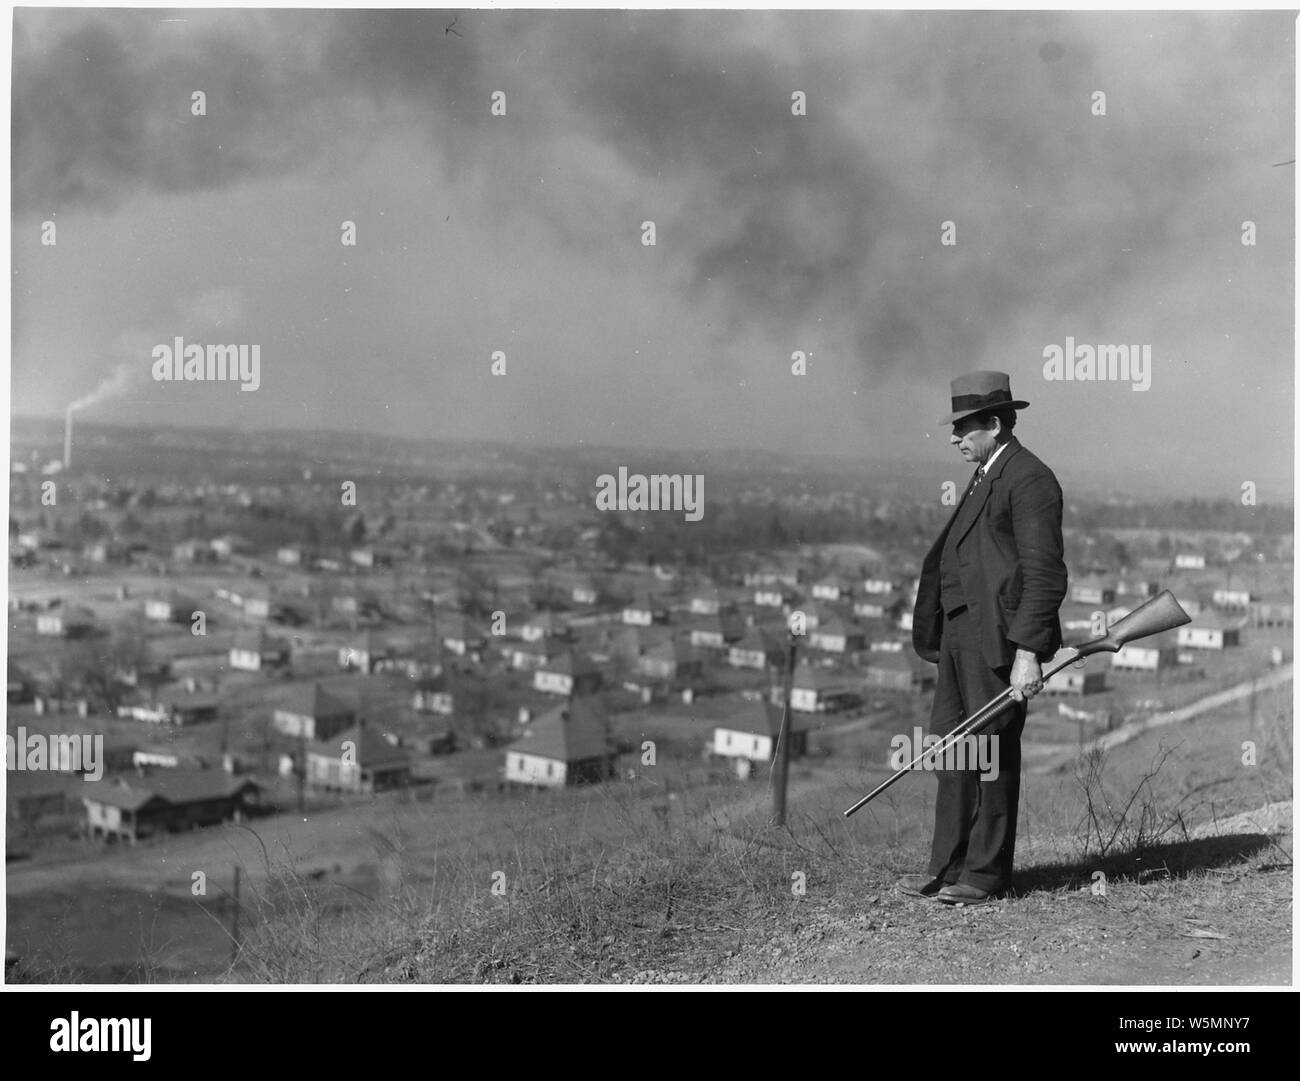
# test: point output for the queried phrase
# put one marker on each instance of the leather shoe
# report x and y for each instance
(920, 885)
(961, 894)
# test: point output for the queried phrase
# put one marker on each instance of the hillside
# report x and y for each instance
(1196, 858)
(674, 876)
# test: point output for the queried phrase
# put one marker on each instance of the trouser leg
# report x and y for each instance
(975, 810)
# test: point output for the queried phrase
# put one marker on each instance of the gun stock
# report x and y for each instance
(1161, 613)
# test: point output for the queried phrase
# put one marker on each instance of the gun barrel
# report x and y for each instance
(1161, 613)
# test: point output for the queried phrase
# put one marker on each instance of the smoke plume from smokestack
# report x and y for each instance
(111, 387)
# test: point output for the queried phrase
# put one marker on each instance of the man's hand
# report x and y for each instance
(1026, 676)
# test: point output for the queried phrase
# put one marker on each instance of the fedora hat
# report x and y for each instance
(978, 392)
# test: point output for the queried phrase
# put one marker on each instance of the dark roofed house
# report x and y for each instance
(31, 796)
(878, 605)
(433, 694)
(901, 671)
(178, 705)
(526, 656)
(541, 625)
(170, 608)
(706, 600)
(834, 587)
(134, 808)
(669, 660)
(567, 745)
(357, 759)
(313, 713)
(1072, 680)
(1274, 609)
(643, 612)
(1209, 630)
(755, 650)
(816, 689)
(717, 631)
(459, 635)
(1093, 589)
(748, 736)
(68, 622)
(1151, 654)
(365, 652)
(21, 686)
(255, 651)
(836, 635)
(569, 673)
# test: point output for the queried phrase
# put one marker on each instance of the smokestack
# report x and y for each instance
(67, 440)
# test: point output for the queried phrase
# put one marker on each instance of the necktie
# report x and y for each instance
(979, 476)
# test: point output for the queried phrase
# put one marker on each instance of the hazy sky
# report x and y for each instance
(774, 232)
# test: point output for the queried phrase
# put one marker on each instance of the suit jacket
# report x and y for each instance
(1010, 556)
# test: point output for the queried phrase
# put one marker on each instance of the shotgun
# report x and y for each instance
(1161, 613)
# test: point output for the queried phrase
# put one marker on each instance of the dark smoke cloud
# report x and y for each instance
(913, 119)
(101, 100)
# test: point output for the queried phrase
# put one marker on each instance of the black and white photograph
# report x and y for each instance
(651, 498)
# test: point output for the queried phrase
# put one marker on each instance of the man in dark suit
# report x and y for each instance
(987, 614)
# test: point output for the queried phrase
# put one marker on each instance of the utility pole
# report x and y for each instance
(781, 765)
(234, 921)
(302, 768)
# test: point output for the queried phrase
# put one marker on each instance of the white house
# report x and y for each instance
(1154, 654)
(642, 612)
(525, 656)
(433, 695)
(815, 690)
(1086, 679)
(831, 588)
(748, 737)
(567, 745)
(567, 673)
(716, 631)
(365, 653)
(752, 651)
(1092, 590)
(1189, 561)
(312, 713)
(836, 636)
(254, 651)
(1232, 598)
(71, 622)
(706, 601)
(878, 605)
(1209, 630)
(170, 609)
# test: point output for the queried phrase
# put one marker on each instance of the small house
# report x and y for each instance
(838, 636)
(1088, 679)
(312, 713)
(568, 673)
(132, 809)
(755, 650)
(1209, 631)
(716, 631)
(257, 651)
(1093, 589)
(669, 660)
(567, 745)
(67, 622)
(832, 588)
(748, 736)
(357, 760)
(899, 671)
(816, 689)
